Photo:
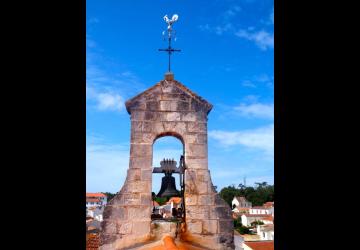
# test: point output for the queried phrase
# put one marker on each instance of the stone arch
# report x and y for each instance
(167, 109)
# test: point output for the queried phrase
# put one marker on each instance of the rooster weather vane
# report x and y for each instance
(170, 34)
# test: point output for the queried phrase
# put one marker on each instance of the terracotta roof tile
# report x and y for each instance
(92, 241)
(92, 200)
(95, 195)
(260, 245)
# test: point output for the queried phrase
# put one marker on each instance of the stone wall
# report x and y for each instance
(167, 109)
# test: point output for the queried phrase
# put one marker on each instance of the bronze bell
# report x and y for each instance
(168, 187)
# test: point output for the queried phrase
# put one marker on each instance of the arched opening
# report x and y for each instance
(167, 177)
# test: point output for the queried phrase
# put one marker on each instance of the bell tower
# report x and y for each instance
(168, 109)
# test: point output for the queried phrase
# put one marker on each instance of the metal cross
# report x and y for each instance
(169, 49)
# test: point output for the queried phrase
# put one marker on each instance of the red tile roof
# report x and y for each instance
(92, 241)
(92, 200)
(95, 195)
(269, 204)
(176, 200)
(258, 215)
(260, 245)
(259, 207)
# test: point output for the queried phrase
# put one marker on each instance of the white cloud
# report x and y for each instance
(105, 100)
(262, 39)
(256, 110)
(261, 138)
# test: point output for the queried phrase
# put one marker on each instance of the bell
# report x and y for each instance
(168, 187)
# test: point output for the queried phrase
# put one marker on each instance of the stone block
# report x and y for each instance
(152, 106)
(139, 212)
(137, 116)
(125, 228)
(196, 127)
(208, 199)
(146, 174)
(209, 226)
(136, 126)
(141, 227)
(158, 127)
(197, 212)
(132, 199)
(189, 117)
(134, 174)
(196, 163)
(138, 187)
(147, 127)
(226, 226)
(140, 150)
(146, 199)
(141, 162)
(109, 227)
(183, 106)
(168, 105)
(172, 116)
(151, 116)
(194, 226)
(196, 150)
(190, 199)
(178, 127)
(223, 212)
(115, 213)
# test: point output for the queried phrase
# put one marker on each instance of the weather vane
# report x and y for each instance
(170, 34)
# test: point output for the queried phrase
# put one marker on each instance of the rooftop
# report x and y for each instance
(92, 200)
(260, 245)
(92, 241)
(95, 195)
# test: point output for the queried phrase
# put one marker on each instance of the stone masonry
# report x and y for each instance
(167, 109)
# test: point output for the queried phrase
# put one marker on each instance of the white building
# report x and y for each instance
(240, 204)
(266, 232)
(261, 210)
(95, 199)
(96, 213)
(247, 219)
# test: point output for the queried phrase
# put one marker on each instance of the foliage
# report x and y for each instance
(243, 230)
(160, 200)
(109, 195)
(237, 223)
(257, 222)
(258, 195)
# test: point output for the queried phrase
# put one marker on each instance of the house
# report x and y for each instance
(261, 210)
(95, 212)
(240, 201)
(247, 219)
(239, 204)
(266, 208)
(95, 199)
(258, 245)
(266, 232)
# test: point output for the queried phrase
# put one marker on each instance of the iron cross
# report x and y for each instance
(169, 49)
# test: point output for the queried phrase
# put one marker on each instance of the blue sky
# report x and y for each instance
(227, 58)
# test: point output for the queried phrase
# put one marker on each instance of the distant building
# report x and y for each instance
(95, 212)
(266, 232)
(240, 205)
(261, 210)
(95, 199)
(247, 219)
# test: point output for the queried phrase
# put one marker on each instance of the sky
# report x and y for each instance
(227, 57)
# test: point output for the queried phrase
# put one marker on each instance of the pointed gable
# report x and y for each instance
(160, 95)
